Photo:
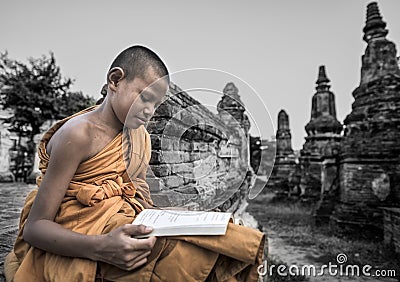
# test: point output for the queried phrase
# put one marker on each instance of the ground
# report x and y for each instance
(12, 197)
(295, 241)
(292, 237)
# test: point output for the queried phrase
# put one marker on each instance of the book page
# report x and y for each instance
(169, 218)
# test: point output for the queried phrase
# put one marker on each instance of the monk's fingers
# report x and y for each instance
(143, 244)
(139, 258)
(131, 261)
(138, 264)
(132, 230)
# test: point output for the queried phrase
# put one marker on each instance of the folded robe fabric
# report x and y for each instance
(105, 194)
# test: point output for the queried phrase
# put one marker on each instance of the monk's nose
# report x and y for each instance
(149, 110)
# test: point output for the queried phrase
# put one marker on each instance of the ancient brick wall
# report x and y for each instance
(370, 126)
(197, 160)
(391, 224)
(329, 190)
(365, 187)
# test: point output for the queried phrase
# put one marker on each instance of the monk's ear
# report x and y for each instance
(114, 76)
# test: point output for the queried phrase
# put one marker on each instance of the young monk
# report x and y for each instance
(76, 226)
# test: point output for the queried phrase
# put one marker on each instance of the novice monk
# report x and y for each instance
(76, 226)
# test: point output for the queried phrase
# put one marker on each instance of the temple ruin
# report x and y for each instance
(323, 138)
(369, 171)
(285, 163)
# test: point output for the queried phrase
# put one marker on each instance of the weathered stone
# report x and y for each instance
(391, 223)
(381, 186)
(369, 163)
(155, 184)
(185, 152)
(323, 138)
(283, 135)
(185, 145)
(285, 163)
(329, 190)
(230, 107)
(182, 168)
(156, 157)
(184, 156)
(173, 181)
(268, 154)
(163, 142)
(161, 170)
(172, 157)
(200, 146)
(167, 109)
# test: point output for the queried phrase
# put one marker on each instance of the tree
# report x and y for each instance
(36, 92)
(73, 102)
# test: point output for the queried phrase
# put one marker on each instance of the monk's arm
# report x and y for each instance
(117, 247)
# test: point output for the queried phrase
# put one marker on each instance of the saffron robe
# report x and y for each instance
(101, 197)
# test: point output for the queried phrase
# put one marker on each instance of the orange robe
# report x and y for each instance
(101, 197)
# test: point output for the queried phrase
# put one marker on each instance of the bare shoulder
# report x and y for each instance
(74, 135)
(83, 135)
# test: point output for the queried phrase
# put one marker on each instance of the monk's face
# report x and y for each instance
(137, 99)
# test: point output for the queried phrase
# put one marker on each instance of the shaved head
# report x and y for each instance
(136, 60)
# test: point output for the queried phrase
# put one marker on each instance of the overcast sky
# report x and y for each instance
(272, 48)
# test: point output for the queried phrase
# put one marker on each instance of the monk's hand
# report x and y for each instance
(119, 248)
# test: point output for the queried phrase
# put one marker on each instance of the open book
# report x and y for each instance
(177, 222)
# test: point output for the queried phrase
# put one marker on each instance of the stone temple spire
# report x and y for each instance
(283, 120)
(231, 108)
(380, 58)
(285, 161)
(283, 135)
(323, 109)
(323, 80)
(374, 25)
(369, 162)
(322, 140)
(326, 105)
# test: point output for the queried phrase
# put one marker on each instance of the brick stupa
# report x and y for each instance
(323, 137)
(285, 163)
(369, 161)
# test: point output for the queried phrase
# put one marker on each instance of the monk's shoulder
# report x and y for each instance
(75, 133)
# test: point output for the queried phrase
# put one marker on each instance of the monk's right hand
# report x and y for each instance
(120, 249)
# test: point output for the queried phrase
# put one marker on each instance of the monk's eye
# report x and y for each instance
(144, 99)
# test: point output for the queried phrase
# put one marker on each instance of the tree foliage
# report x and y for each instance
(36, 92)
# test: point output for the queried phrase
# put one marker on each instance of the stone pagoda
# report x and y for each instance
(369, 161)
(285, 163)
(231, 112)
(323, 137)
(231, 108)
